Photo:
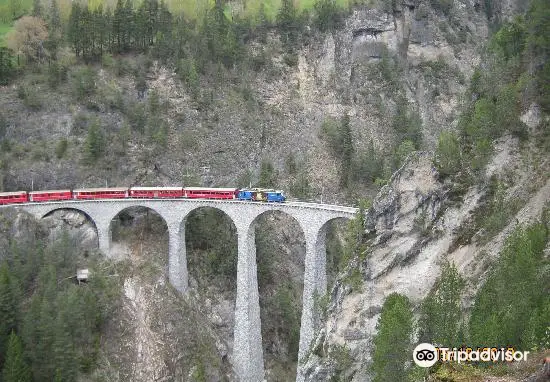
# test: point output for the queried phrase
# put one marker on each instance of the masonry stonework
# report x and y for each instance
(313, 219)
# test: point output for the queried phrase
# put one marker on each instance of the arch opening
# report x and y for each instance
(335, 242)
(280, 258)
(209, 237)
(75, 227)
(140, 234)
(211, 247)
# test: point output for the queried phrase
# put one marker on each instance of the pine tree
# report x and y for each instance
(36, 8)
(74, 33)
(440, 313)
(286, 19)
(6, 66)
(94, 142)
(15, 367)
(392, 343)
(347, 150)
(117, 26)
(8, 308)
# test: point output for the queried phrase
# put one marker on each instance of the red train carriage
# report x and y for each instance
(101, 193)
(46, 196)
(156, 192)
(210, 193)
(13, 197)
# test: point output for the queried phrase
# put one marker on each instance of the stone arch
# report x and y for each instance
(80, 211)
(280, 243)
(184, 228)
(321, 243)
(126, 220)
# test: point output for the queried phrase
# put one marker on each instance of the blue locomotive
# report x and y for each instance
(261, 195)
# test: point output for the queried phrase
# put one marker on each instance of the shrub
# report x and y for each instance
(392, 344)
(443, 6)
(440, 311)
(512, 306)
(327, 15)
(291, 59)
(95, 142)
(30, 96)
(83, 81)
(448, 154)
(61, 148)
(268, 174)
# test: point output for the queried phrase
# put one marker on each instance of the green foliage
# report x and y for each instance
(287, 20)
(137, 117)
(268, 174)
(83, 82)
(340, 141)
(354, 235)
(124, 137)
(509, 41)
(8, 307)
(291, 59)
(448, 159)
(327, 15)
(511, 308)
(211, 243)
(342, 359)
(7, 68)
(288, 317)
(403, 150)
(538, 46)
(60, 321)
(95, 142)
(15, 367)
(443, 6)
(392, 343)
(187, 70)
(369, 165)
(57, 73)
(407, 124)
(30, 96)
(440, 313)
(61, 148)
(300, 186)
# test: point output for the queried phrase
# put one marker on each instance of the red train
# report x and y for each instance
(118, 193)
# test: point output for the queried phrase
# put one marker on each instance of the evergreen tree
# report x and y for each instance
(75, 29)
(512, 306)
(128, 26)
(347, 150)
(392, 344)
(8, 308)
(15, 367)
(118, 26)
(94, 142)
(6, 66)
(268, 175)
(286, 20)
(327, 16)
(54, 17)
(448, 154)
(36, 8)
(440, 312)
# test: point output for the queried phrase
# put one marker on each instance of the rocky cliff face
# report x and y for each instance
(378, 58)
(413, 226)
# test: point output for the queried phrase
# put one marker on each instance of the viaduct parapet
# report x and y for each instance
(313, 219)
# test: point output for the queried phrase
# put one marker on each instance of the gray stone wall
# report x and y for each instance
(312, 218)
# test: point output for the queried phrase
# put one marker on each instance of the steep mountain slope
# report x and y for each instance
(384, 67)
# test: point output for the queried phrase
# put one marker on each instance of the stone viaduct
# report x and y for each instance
(312, 218)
